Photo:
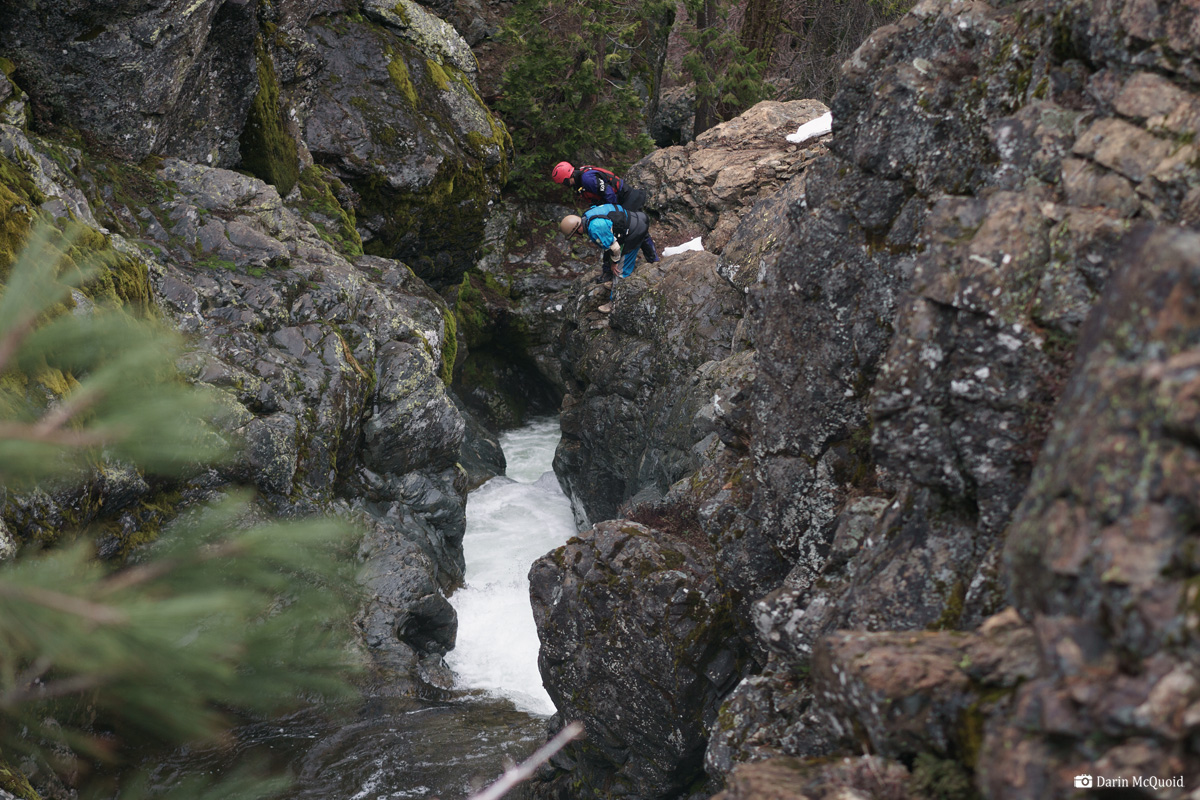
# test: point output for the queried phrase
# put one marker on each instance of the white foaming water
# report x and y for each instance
(511, 522)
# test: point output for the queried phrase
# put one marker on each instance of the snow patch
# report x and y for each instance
(810, 130)
(694, 244)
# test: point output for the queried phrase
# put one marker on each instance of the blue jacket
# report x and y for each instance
(599, 227)
(597, 185)
(631, 229)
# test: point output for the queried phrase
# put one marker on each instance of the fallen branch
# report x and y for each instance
(524, 771)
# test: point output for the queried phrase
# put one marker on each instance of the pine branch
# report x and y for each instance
(50, 691)
(79, 402)
(95, 613)
(137, 576)
(11, 343)
(17, 431)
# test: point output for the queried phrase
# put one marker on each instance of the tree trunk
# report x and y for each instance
(707, 15)
(760, 27)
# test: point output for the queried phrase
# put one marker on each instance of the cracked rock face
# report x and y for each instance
(388, 101)
(631, 418)
(990, 206)
(620, 610)
(1099, 558)
(912, 451)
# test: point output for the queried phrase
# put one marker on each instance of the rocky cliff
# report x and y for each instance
(255, 172)
(946, 495)
(894, 487)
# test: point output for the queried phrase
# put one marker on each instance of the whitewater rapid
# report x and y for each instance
(511, 521)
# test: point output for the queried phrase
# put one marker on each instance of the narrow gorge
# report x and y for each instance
(891, 491)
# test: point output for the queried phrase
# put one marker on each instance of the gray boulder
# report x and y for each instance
(706, 187)
(396, 115)
(631, 622)
(172, 77)
(414, 422)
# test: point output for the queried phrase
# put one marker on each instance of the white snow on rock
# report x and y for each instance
(812, 129)
(694, 244)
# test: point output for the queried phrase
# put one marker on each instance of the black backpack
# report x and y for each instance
(619, 219)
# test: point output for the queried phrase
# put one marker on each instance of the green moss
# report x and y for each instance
(19, 200)
(478, 143)
(119, 278)
(387, 134)
(398, 70)
(268, 150)
(15, 783)
(150, 513)
(500, 136)
(953, 611)
(471, 299)
(449, 347)
(319, 205)
(438, 75)
(939, 779)
(1023, 79)
(215, 262)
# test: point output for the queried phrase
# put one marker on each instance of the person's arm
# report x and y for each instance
(599, 230)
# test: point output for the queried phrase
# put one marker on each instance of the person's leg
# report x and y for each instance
(629, 261)
(648, 249)
(606, 269)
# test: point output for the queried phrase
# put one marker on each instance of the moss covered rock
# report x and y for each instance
(268, 150)
(174, 77)
(396, 117)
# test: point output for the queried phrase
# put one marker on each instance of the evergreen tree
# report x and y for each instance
(728, 74)
(573, 91)
(217, 618)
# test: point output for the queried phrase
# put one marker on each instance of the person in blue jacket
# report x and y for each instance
(619, 233)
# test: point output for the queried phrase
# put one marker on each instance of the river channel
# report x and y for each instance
(387, 748)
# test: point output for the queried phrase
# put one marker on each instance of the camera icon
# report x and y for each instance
(1083, 781)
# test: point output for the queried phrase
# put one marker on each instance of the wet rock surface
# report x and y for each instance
(353, 126)
(327, 365)
(395, 113)
(941, 361)
(173, 77)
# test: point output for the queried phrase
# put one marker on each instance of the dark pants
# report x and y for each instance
(637, 237)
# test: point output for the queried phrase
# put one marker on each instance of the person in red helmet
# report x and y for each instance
(596, 186)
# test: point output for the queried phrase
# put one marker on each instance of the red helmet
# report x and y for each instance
(562, 170)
